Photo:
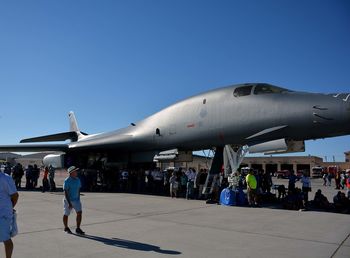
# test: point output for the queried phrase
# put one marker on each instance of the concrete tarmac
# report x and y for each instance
(130, 225)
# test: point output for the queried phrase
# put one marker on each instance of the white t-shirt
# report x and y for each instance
(7, 188)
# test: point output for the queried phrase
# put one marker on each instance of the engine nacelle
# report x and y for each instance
(278, 146)
(173, 155)
(55, 160)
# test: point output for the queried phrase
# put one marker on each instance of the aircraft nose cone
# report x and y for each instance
(334, 109)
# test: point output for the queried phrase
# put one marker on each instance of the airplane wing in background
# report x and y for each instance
(53, 137)
(34, 147)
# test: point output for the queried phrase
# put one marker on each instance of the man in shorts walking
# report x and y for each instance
(8, 200)
(71, 200)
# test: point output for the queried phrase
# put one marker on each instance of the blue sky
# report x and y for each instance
(115, 62)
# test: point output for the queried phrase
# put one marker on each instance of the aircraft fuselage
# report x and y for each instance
(221, 117)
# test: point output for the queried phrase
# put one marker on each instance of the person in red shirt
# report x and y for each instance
(45, 180)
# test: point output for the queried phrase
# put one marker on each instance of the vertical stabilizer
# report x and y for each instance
(73, 125)
(74, 133)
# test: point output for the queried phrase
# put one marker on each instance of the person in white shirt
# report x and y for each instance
(8, 200)
(306, 187)
(191, 177)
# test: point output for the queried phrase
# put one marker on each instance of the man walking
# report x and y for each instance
(8, 200)
(71, 200)
(251, 188)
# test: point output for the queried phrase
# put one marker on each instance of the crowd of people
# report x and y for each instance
(32, 174)
(339, 178)
(256, 186)
(295, 198)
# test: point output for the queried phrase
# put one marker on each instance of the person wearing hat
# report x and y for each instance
(71, 200)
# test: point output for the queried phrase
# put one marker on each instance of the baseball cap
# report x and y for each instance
(72, 169)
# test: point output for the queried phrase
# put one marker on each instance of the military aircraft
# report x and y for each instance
(258, 117)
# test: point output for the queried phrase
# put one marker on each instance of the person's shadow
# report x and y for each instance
(128, 244)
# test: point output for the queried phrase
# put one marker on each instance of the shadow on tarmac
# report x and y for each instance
(128, 244)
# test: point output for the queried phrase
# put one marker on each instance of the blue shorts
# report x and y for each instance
(5, 228)
(76, 206)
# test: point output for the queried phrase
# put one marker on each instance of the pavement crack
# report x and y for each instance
(341, 244)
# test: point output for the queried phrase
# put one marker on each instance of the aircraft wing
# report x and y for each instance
(53, 137)
(267, 132)
(258, 143)
(34, 147)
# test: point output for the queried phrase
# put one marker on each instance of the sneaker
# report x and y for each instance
(68, 231)
(79, 231)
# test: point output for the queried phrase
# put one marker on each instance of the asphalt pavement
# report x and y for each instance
(131, 225)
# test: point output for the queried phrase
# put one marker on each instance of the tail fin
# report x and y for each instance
(74, 133)
(73, 125)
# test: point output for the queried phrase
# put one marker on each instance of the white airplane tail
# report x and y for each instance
(73, 125)
(73, 134)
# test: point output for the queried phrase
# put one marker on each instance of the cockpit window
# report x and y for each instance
(264, 88)
(242, 91)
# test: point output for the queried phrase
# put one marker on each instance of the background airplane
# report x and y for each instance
(258, 116)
